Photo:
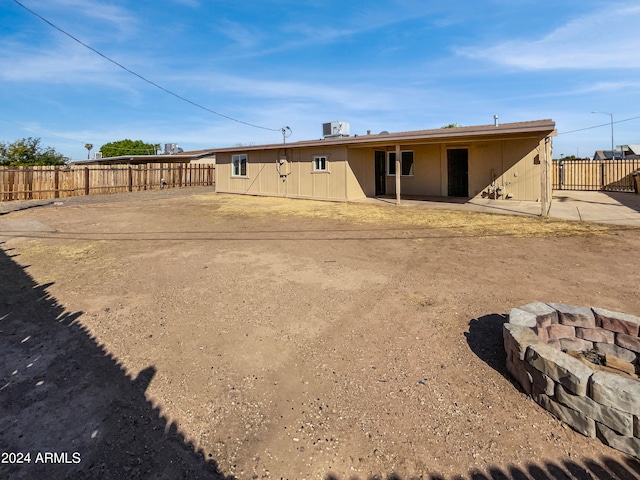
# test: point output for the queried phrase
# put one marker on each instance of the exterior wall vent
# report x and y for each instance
(335, 129)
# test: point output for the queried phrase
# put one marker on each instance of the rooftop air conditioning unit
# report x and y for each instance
(335, 129)
(172, 149)
(169, 148)
(97, 155)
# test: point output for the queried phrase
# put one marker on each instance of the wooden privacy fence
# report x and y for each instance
(26, 183)
(610, 175)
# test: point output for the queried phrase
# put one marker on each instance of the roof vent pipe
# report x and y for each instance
(495, 120)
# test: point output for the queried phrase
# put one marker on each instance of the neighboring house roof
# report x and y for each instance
(633, 149)
(546, 127)
(184, 157)
(603, 155)
(199, 153)
(631, 152)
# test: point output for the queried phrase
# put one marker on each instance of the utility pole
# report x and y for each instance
(613, 152)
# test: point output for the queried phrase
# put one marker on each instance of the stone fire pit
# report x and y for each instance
(550, 349)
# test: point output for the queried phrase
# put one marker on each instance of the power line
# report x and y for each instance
(598, 126)
(140, 76)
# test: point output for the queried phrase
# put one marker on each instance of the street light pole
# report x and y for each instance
(613, 152)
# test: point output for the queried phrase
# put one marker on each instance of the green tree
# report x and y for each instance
(452, 125)
(127, 147)
(29, 152)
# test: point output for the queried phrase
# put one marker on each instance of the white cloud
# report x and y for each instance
(616, 86)
(57, 64)
(606, 39)
(240, 34)
(305, 33)
(113, 15)
(348, 95)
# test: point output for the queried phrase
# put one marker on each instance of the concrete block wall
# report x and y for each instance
(598, 404)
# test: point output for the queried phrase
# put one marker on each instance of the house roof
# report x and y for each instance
(184, 157)
(603, 155)
(634, 149)
(511, 130)
(631, 152)
(197, 153)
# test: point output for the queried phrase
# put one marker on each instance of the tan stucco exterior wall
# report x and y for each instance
(426, 172)
(295, 178)
(513, 165)
(362, 173)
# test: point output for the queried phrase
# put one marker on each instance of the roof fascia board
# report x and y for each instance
(449, 141)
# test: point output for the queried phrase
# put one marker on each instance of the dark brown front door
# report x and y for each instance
(381, 173)
(458, 172)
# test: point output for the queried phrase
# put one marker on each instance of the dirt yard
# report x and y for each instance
(184, 334)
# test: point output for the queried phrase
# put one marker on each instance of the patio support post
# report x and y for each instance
(544, 177)
(398, 173)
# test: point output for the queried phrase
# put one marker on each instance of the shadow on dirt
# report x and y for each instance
(485, 340)
(604, 469)
(67, 407)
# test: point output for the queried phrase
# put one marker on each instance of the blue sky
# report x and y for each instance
(387, 65)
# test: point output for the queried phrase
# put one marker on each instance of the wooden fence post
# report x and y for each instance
(145, 176)
(56, 182)
(86, 180)
(130, 179)
(12, 179)
(28, 183)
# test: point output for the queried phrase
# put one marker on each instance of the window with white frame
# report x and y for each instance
(239, 165)
(320, 164)
(406, 164)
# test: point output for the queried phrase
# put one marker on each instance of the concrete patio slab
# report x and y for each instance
(616, 208)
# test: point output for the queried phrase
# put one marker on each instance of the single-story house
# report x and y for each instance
(509, 161)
